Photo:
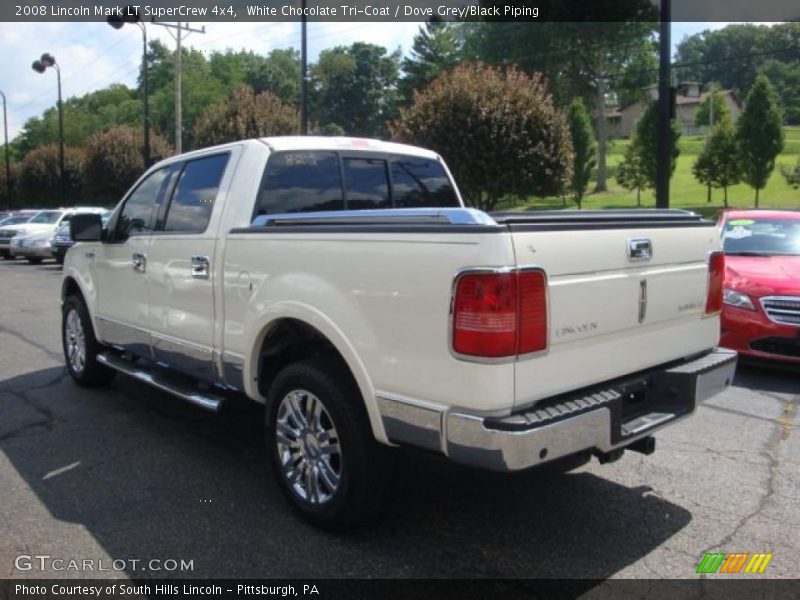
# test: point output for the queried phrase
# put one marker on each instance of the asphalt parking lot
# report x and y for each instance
(127, 473)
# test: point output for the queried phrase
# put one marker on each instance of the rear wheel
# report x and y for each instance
(80, 345)
(321, 445)
(6, 255)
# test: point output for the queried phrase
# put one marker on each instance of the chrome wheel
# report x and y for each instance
(308, 447)
(76, 342)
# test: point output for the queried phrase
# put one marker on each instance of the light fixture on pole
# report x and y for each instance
(131, 15)
(40, 66)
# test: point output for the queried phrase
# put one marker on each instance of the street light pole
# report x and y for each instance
(8, 159)
(40, 66)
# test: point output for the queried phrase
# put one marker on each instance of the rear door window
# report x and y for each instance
(191, 205)
(301, 181)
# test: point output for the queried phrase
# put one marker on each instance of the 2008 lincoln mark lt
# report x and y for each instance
(342, 283)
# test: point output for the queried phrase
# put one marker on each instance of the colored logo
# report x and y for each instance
(734, 562)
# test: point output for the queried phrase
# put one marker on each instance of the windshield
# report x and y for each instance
(762, 237)
(15, 220)
(46, 216)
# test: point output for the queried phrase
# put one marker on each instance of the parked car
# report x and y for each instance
(62, 240)
(34, 247)
(44, 222)
(344, 284)
(18, 217)
(40, 219)
(761, 312)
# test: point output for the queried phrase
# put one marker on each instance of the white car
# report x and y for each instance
(44, 223)
(10, 227)
(343, 284)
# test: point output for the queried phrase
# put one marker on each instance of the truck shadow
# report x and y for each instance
(149, 477)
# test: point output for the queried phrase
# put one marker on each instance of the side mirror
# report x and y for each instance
(86, 227)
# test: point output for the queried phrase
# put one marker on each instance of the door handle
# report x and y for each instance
(200, 267)
(139, 262)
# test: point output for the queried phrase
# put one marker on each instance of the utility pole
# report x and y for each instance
(179, 37)
(303, 73)
(8, 159)
(664, 124)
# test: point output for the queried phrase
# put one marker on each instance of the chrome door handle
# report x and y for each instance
(200, 267)
(139, 262)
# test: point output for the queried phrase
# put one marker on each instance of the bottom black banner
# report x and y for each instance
(390, 589)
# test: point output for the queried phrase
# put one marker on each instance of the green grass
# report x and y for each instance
(685, 191)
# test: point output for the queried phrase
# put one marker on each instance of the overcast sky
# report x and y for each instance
(93, 55)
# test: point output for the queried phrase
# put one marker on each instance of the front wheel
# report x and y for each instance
(321, 445)
(6, 255)
(80, 346)
(34, 260)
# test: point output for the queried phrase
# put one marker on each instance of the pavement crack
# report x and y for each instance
(30, 342)
(784, 425)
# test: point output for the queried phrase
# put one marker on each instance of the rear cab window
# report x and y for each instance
(313, 181)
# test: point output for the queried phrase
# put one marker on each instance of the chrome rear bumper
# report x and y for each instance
(601, 420)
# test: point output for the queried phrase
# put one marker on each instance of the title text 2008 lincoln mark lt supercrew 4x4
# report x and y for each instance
(343, 283)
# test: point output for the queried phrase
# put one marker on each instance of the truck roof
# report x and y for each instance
(297, 142)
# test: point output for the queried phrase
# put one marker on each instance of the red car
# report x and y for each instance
(761, 312)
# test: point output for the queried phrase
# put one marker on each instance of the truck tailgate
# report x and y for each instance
(612, 309)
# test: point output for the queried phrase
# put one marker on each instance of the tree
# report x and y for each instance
(631, 171)
(278, 72)
(792, 175)
(584, 147)
(786, 79)
(704, 113)
(245, 115)
(39, 176)
(356, 88)
(499, 131)
(114, 161)
(759, 132)
(436, 48)
(718, 164)
(646, 134)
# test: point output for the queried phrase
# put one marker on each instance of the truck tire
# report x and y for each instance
(321, 446)
(81, 346)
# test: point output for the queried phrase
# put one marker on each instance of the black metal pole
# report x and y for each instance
(8, 159)
(146, 149)
(61, 139)
(663, 136)
(303, 74)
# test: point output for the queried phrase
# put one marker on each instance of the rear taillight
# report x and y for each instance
(716, 274)
(500, 314)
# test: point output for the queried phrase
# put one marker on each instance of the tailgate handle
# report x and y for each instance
(640, 249)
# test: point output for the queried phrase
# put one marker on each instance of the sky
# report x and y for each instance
(94, 55)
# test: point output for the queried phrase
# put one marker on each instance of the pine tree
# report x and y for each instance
(436, 48)
(759, 133)
(584, 147)
(631, 173)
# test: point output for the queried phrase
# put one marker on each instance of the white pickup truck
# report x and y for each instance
(343, 283)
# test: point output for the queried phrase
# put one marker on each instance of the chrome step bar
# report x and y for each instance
(181, 390)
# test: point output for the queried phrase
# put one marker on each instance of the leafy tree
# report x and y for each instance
(723, 150)
(703, 169)
(436, 48)
(356, 88)
(584, 147)
(278, 72)
(593, 51)
(760, 134)
(646, 134)
(792, 175)
(245, 115)
(786, 79)
(39, 176)
(721, 110)
(6, 200)
(631, 173)
(499, 131)
(114, 161)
